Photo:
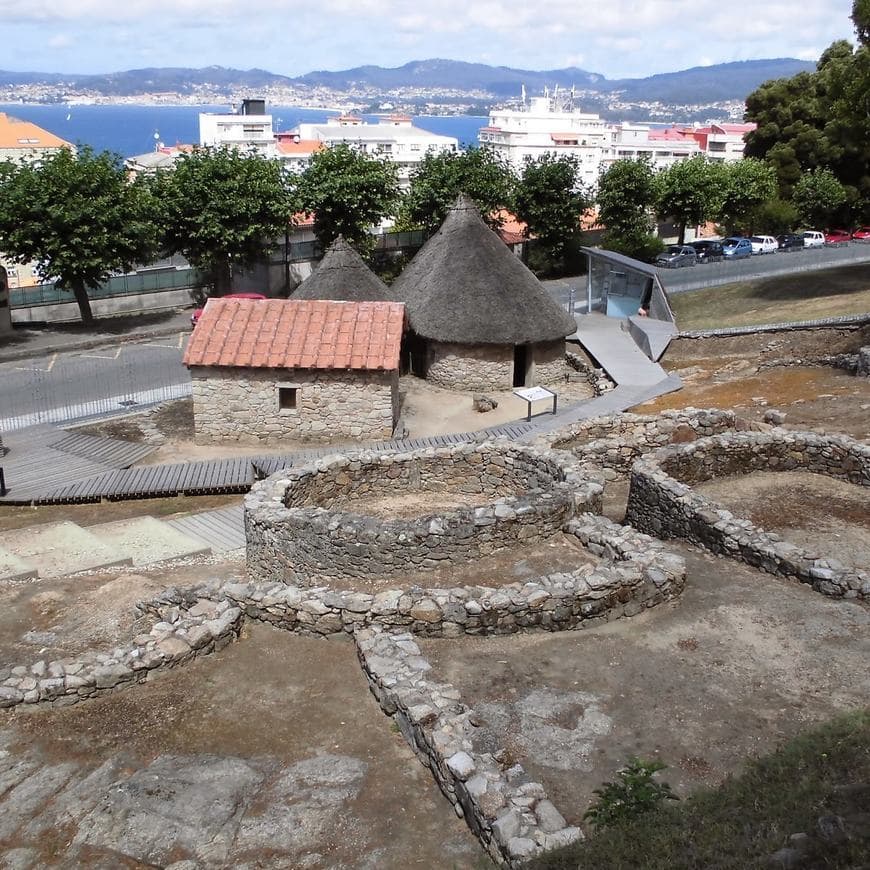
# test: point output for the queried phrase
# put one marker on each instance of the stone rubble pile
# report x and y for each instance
(664, 506)
(579, 369)
(508, 812)
(180, 636)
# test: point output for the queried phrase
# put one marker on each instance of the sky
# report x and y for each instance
(616, 38)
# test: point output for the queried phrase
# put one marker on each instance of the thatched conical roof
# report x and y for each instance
(342, 276)
(466, 287)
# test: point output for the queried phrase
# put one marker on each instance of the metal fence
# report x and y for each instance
(77, 387)
(147, 281)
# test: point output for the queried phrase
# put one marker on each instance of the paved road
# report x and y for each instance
(87, 382)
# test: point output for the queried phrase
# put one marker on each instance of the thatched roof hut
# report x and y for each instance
(482, 320)
(466, 287)
(342, 276)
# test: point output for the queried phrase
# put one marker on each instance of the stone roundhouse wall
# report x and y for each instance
(240, 405)
(293, 538)
(666, 507)
(616, 440)
(491, 367)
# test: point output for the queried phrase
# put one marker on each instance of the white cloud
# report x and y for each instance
(618, 38)
(60, 40)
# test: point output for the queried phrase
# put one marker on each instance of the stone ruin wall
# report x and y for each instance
(236, 405)
(613, 442)
(666, 507)
(300, 527)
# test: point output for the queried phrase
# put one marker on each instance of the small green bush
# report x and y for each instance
(634, 793)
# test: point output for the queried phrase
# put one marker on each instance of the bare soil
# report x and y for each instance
(812, 397)
(53, 619)
(410, 505)
(560, 553)
(741, 662)
(273, 700)
(826, 516)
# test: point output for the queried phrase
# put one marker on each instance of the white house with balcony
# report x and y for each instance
(249, 127)
(393, 137)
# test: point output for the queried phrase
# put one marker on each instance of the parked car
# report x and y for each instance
(813, 239)
(736, 248)
(194, 318)
(790, 242)
(676, 256)
(708, 250)
(763, 244)
(838, 237)
(862, 234)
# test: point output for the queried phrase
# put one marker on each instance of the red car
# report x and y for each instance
(838, 237)
(862, 234)
(194, 318)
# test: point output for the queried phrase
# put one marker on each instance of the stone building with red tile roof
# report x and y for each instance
(314, 370)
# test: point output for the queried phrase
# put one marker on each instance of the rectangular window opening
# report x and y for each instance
(288, 398)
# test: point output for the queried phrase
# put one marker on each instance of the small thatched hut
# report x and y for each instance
(481, 320)
(342, 276)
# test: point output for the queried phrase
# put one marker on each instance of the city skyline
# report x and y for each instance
(626, 39)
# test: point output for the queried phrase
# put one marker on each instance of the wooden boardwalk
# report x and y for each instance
(48, 466)
(222, 529)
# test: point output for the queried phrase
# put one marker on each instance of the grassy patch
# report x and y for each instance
(802, 296)
(740, 824)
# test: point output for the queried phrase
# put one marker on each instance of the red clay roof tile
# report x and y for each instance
(290, 334)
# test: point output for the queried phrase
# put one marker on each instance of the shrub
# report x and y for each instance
(634, 793)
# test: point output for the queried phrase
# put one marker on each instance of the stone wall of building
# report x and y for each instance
(525, 494)
(491, 367)
(664, 506)
(239, 405)
(548, 363)
(863, 367)
(471, 368)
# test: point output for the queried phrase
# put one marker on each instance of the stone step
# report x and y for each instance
(12, 568)
(57, 549)
(222, 529)
(147, 539)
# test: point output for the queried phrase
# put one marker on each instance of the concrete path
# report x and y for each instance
(222, 529)
(609, 342)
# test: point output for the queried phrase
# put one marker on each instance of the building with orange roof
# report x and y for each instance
(21, 140)
(295, 152)
(315, 370)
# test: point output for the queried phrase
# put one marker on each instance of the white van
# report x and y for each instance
(814, 239)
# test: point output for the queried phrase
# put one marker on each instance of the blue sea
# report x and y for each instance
(129, 129)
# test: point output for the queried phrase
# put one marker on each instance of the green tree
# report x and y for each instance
(479, 173)
(861, 20)
(749, 184)
(776, 216)
(550, 199)
(817, 196)
(626, 195)
(222, 208)
(348, 193)
(77, 217)
(690, 192)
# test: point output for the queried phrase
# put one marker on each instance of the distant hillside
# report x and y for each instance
(729, 81)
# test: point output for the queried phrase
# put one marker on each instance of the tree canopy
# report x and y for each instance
(77, 217)
(748, 185)
(550, 199)
(221, 208)
(817, 196)
(348, 193)
(626, 195)
(439, 179)
(690, 192)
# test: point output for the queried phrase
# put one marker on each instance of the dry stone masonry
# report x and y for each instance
(661, 501)
(301, 527)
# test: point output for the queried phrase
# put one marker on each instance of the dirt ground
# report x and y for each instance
(826, 516)
(511, 565)
(811, 397)
(409, 505)
(740, 662)
(53, 619)
(271, 754)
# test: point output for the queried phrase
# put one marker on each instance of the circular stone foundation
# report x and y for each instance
(330, 519)
(662, 503)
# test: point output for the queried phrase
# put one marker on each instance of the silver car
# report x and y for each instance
(676, 256)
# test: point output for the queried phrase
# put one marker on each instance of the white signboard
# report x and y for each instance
(532, 394)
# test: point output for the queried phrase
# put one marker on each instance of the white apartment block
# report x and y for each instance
(394, 138)
(248, 128)
(543, 125)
